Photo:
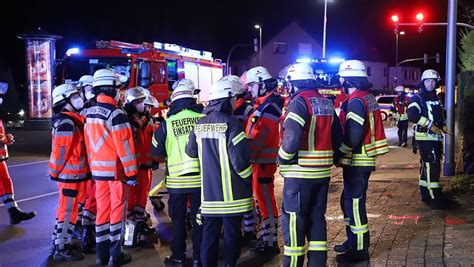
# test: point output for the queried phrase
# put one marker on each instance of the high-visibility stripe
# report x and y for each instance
(372, 127)
(154, 142)
(296, 118)
(423, 121)
(226, 207)
(192, 181)
(429, 185)
(246, 173)
(315, 153)
(355, 117)
(428, 179)
(293, 251)
(296, 171)
(284, 155)
(225, 171)
(293, 238)
(103, 163)
(318, 246)
(345, 148)
(238, 138)
(420, 136)
(414, 104)
(403, 117)
(312, 127)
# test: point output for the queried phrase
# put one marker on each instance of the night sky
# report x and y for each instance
(358, 29)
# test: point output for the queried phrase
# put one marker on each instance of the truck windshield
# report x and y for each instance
(74, 68)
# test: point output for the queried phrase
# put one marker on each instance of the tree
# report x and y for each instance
(466, 52)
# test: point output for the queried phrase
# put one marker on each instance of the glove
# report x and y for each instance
(435, 129)
(131, 181)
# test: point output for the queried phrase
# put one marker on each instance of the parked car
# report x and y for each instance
(385, 101)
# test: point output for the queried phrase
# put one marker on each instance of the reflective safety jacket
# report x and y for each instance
(3, 145)
(109, 141)
(263, 129)
(242, 111)
(143, 128)
(68, 161)
(400, 107)
(311, 132)
(364, 135)
(426, 110)
(169, 143)
(219, 141)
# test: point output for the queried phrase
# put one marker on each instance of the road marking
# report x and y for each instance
(35, 197)
(334, 218)
(26, 164)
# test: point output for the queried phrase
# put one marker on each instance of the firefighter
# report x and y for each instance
(363, 140)
(68, 166)
(183, 178)
(242, 112)
(90, 207)
(111, 152)
(426, 111)
(6, 183)
(135, 109)
(263, 132)
(399, 108)
(310, 132)
(219, 141)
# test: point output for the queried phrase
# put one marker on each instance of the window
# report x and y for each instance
(150, 73)
(385, 72)
(385, 100)
(415, 75)
(279, 48)
(407, 74)
(369, 71)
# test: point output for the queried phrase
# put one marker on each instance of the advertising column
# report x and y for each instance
(40, 59)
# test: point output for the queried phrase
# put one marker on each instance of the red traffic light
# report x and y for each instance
(395, 18)
(420, 16)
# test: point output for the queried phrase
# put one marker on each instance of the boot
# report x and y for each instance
(171, 261)
(353, 256)
(17, 215)
(262, 248)
(78, 230)
(249, 238)
(88, 239)
(67, 254)
(120, 260)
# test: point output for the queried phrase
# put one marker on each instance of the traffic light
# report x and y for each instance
(425, 58)
(419, 19)
(395, 23)
(438, 58)
(255, 44)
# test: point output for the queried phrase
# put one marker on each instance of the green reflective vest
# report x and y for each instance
(178, 128)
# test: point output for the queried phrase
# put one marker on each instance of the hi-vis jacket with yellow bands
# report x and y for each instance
(68, 162)
(109, 141)
(364, 135)
(219, 141)
(400, 106)
(426, 110)
(169, 143)
(311, 130)
(3, 145)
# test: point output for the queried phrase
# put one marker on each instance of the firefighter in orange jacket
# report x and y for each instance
(311, 131)
(6, 184)
(400, 108)
(363, 140)
(263, 132)
(68, 166)
(143, 131)
(90, 206)
(112, 160)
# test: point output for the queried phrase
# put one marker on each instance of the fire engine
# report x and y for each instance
(155, 66)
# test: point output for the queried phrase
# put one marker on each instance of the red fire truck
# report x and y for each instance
(154, 66)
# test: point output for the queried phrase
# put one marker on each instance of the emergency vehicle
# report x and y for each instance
(155, 66)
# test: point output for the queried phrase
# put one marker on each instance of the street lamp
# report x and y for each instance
(259, 28)
(396, 45)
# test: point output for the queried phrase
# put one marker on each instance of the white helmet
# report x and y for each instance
(151, 101)
(352, 68)
(183, 88)
(86, 80)
(146, 91)
(300, 71)
(399, 89)
(221, 89)
(62, 92)
(430, 74)
(134, 94)
(107, 77)
(257, 75)
(238, 84)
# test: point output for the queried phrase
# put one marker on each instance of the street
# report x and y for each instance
(403, 231)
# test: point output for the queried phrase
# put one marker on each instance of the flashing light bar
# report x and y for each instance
(304, 60)
(336, 60)
(72, 51)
